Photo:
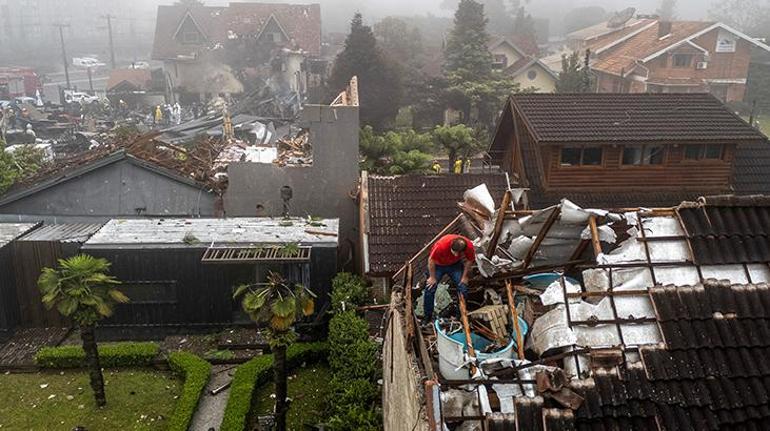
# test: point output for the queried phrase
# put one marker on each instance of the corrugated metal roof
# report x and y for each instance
(11, 231)
(176, 233)
(74, 232)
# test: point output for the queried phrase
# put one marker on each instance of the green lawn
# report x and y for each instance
(136, 400)
(307, 388)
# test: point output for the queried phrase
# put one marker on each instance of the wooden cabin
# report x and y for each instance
(622, 150)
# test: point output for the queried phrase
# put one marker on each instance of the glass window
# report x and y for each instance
(643, 155)
(570, 156)
(531, 75)
(577, 156)
(500, 61)
(692, 152)
(592, 156)
(682, 60)
(713, 151)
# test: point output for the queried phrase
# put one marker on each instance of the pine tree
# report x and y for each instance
(467, 55)
(575, 76)
(667, 9)
(379, 84)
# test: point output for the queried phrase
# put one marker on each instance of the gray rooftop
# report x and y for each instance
(197, 233)
(71, 232)
(11, 231)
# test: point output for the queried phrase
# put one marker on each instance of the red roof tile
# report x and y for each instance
(139, 78)
(302, 23)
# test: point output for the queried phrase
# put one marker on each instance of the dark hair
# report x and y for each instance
(459, 245)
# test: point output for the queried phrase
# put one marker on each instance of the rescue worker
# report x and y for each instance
(458, 166)
(451, 255)
(158, 118)
(436, 167)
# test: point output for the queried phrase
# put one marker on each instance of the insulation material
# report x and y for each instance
(661, 226)
(554, 293)
(735, 273)
(456, 402)
(669, 251)
(596, 280)
(597, 336)
(489, 267)
(520, 246)
(480, 199)
(577, 366)
(606, 234)
(641, 334)
(551, 331)
(759, 273)
(629, 250)
(677, 275)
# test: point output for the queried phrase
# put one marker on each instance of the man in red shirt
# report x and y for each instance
(451, 255)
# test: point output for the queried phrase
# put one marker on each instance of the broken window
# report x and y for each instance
(581, 156)
(682, 60)
(643, 155)
(704, 152)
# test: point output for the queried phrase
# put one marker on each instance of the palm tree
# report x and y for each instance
(81, 289)
(277, 305)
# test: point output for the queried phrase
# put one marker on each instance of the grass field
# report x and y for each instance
(307, 389)
(136, 400)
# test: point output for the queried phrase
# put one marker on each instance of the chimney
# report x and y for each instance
(664, 28)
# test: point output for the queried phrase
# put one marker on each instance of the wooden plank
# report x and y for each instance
(409, 308)
(541, 236)
(595, 235)
(497, 231)
(467, 329)
(515, 318)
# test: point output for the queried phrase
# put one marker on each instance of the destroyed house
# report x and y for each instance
(626, 150)
(138, 179)
(647, 319)
(183, 271)
(399, 215)
(226, 44)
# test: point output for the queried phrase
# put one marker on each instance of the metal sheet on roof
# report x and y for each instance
(11, 231)
(72, 232)
(175, 233)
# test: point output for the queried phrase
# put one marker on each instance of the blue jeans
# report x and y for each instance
(455, 273)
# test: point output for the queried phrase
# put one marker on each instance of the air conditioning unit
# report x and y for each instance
(701, 65)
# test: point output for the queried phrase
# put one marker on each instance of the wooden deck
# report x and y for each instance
(19, 351)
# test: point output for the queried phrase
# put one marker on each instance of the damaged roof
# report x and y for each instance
(300, 22)
(135, 79)
(11, 231)
(606, 118)
(403, 213)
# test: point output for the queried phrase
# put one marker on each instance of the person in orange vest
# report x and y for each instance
(451, 255)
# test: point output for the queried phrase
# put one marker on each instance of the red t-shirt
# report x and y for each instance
(441, 253)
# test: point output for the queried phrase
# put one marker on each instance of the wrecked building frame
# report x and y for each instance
(627, 349)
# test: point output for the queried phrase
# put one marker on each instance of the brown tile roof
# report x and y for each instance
(751, 169)
(139, 78)
(623, 57)
(406, 212)
(302, 24)
(608, 118)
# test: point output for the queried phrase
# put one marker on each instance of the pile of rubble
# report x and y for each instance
(295, 150)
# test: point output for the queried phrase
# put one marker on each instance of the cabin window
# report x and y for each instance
(191, 38)
(532, 75)
(643, 155)
(581, 156)
(682, 60)
(500, 61)
(704, 152)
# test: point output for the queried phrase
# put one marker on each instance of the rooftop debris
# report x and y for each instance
(295, 150)
(613, 312)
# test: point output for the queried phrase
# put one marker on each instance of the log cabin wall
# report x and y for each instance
(674, 173)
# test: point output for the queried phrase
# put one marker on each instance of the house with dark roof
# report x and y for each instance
(662, 324)
(399, 215)
(220, 49)
(136, 87)
(620, 150)
(648, 54)
(111, 184)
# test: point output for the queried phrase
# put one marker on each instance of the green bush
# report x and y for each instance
(355, 417)
(110, 355)
(344, 330)
(356, 391)
(195, 372)
(258, 371)
(350, 290)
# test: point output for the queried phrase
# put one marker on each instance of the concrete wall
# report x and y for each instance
(403, 392)
(118, 189)
(323, 189)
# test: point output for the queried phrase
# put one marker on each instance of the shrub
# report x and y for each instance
(195, 372)
(356, 391)
(258, 371)
(110, 355)
(344, 330)
(348, 292)
(355, 417)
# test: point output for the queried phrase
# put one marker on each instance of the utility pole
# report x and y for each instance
(64, 53)
(109, 18)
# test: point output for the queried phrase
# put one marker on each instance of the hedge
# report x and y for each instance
(256, 372)
(195, 372)
(110, 355)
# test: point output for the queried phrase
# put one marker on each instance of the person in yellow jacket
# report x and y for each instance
(458, 166)
(436, 167)
(158, 115)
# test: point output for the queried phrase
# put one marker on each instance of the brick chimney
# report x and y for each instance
(664, 28)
